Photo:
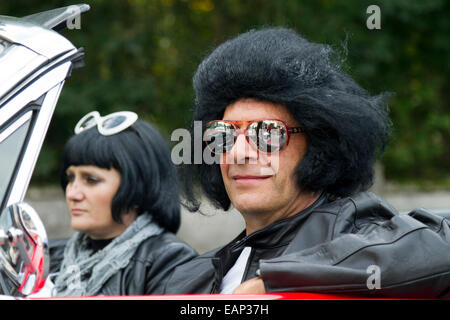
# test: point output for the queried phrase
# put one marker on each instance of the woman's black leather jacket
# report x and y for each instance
(356, 245)
(148, 269)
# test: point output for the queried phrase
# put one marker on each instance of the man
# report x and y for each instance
(296, 140)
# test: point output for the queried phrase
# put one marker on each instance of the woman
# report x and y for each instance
(122, 193)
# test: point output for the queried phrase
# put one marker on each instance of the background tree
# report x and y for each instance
(141, 55)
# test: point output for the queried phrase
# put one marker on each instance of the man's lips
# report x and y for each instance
(245, 179)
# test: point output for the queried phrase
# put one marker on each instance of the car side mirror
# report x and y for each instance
(24, 255)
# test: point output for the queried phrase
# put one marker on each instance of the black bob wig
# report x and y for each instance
(148, 177)
(346, 127)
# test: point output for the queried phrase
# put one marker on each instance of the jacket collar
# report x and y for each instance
(277, 234)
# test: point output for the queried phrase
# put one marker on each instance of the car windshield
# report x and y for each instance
(11, 141)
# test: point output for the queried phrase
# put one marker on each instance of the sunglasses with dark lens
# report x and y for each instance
(269, 136)
(107, 125)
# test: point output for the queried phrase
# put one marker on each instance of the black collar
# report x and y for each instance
(277, 234)
(98, 244)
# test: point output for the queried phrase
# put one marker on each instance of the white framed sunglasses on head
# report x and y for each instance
(108, 125)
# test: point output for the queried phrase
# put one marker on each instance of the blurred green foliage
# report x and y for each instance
(141, 55)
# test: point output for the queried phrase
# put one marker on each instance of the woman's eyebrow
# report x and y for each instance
(89, 173)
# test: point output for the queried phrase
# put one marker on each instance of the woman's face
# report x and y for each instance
(89, 195)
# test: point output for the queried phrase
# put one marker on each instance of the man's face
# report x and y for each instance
(258, 182)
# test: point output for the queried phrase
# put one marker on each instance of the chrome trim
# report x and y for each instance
(43, 41)
(52, 18)
(3, 46)
(17, 231)
(13, 127)
(34, 74)
(43, 60)
(39, 230)
(46, 80)
(14, 56)
(6, 267)
(36, 140)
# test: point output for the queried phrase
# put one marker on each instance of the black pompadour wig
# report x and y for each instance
(149, 182)
(346, 127)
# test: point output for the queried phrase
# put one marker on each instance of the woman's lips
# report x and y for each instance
(77, 212)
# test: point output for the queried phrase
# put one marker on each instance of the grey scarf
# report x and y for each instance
(83, 273)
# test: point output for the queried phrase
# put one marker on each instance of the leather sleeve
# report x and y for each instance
(164, 264)
(405, 256)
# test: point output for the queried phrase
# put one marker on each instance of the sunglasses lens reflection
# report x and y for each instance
(113, 122)
(219, 136)
(268, 135)
(89, 122)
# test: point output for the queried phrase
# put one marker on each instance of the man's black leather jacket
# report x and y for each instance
(148, 270)
(356, 245)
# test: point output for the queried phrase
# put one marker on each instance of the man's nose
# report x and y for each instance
(243, 152)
